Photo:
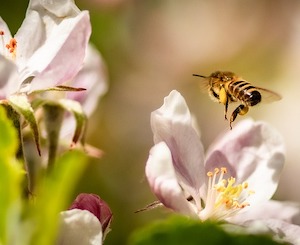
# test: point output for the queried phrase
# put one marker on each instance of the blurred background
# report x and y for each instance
(152, 47)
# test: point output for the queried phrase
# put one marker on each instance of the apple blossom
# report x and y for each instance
(44, 48)
(41, 54)
(238, 174)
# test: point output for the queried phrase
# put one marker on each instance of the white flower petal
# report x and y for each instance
(256, 152)
(284, 211)
(173, 124)
(8, 76)
(42, 18)
(281, 230)
(61, 57)
(30, 37)
(163, 182)
(79, 227)
(59, 8)
(92, 77)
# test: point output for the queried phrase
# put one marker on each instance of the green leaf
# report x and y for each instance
(8, 139)
(182, 230)
(11, 176)
(54, 196)
(20, 103)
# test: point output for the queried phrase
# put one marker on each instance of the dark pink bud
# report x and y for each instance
(96, 206)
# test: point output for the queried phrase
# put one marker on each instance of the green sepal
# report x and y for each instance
(15, 117)
(11, 176)
(54, 195)
(60, 88)
(53, 119)
(81, 120)
(21, 104)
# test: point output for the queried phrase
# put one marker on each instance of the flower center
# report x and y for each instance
(224, 197)
(9, 49)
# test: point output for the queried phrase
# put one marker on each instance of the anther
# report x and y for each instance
(224, 170)
(12, 46)
(209, 174)
(245, 185)
(217, 170)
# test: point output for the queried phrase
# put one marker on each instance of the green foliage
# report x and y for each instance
(10, 178)
(54, 196)
(182, 230)
(33, 221)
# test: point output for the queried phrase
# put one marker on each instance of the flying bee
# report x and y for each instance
(227, 87)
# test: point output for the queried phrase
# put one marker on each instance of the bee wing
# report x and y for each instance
(268, 96)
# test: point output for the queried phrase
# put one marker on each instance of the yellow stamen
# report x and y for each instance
(224, 196)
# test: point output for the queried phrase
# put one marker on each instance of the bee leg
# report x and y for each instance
(226, 109)
(241, 110)
(223, 98)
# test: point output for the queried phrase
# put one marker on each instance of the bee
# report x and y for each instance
(227, 87)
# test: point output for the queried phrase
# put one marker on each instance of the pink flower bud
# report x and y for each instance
(94, 204)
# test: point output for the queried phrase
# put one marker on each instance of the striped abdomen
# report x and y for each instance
(244, 92)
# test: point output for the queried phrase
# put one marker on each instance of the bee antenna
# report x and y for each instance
(197, 75)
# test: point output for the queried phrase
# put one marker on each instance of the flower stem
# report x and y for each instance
(53, 120)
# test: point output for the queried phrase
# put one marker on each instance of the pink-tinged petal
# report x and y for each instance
(60, 58)
(42, 17)
(92, 77)
(256, 152)
(284, 211)
(217, 159)
(79, 227)
(173, 124)
(163, 182)
(96, 206)
(8, 76)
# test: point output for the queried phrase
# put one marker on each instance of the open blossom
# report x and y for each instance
(47, 50)
(86, 222)
(238, 174)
